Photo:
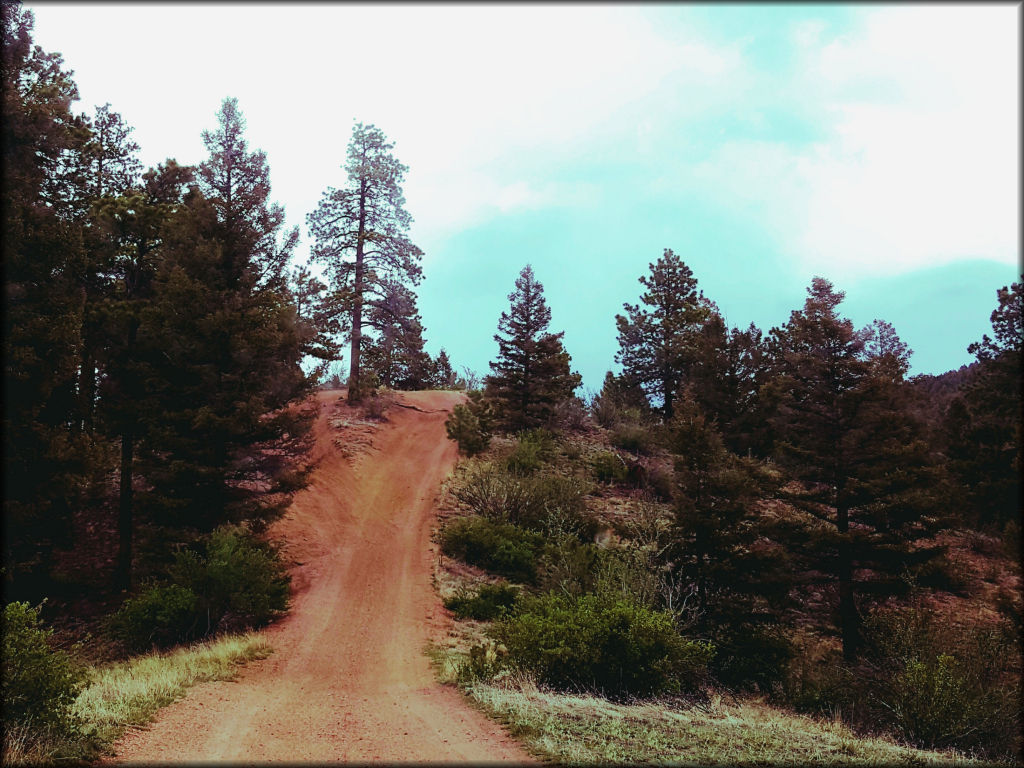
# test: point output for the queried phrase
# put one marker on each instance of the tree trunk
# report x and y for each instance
(849, 619)
(355, 394)
(123, 573)
(86, 385)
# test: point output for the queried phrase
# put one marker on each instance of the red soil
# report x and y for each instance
(348, 680)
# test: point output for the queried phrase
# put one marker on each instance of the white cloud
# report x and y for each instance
(917, 162)
(920, 163)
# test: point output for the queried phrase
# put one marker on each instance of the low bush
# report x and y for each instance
(571, 415)
(633, 438)
(659, 483)
(535, 502)
(931, 682)
(608, 467)
(489, 602)
(485, 661)
(602, 643)
(40, 683)
(241, 581)
(236, 581)
(464, 427)
(568, 565)
(943, 574)
(940, 685)
(500, 548)
(751, 657)
(532, 450)
(160, 615)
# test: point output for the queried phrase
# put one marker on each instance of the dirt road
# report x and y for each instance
(348, 680)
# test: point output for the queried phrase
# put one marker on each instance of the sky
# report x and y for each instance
(875, 145)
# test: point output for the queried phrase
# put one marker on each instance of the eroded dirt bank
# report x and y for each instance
(348, 680)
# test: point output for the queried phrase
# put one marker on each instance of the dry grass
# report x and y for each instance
(126, 693)
(574, 729)
(131, 692)
(585, 730)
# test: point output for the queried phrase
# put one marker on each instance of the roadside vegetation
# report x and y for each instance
(60, 709)
(57, 706)
(629, 586)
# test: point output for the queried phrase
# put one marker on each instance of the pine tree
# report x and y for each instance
(48, 462)
(237, 184)
(360, 235)
(395, 354)
(111, 170)
(318, 312)
(138, 223)
(738, 576)
(620, 400)
(726, 377)
(531, 375)
(657, 338)
(224, 343)
(845, 429)
(983, 422)
(444, 376)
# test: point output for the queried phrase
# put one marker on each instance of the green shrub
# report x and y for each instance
(500, 548)
(608, 467)
(489, 602)
(940, 685)
(485, 661)
(536, 502)
(160, 615)
(571, 415)
(750, 656)
(632, 437)
(824, 687)
(601, 643)
(40, 684)
(943, 574)
(659, 482)
(238, 581)
(469, 424)
(525, 459)
(533, 449)
(568, 565)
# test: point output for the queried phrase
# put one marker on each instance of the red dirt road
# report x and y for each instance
(348, 680)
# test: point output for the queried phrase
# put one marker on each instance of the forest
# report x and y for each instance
(784, 513)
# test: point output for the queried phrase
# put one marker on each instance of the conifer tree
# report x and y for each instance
(984, 420)
(137, 222)
(444, 376)
(658, 336)
(395, 354)
(319, 316)
(224, 370)
(531, 375)
(845, 430)
(111, 170)
(48, 462)
(724, 549)
(237, 184)
(726, 377)
(360, 235)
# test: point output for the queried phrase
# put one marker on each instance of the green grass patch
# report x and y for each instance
(573, 729)
(131, 692)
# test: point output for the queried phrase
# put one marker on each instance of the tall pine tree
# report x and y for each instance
(846, 431)
(223, 342)
(48, 461)
(360, 234)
